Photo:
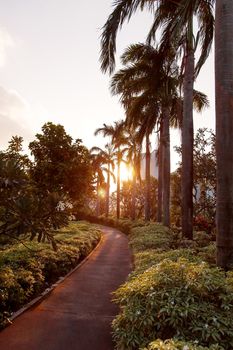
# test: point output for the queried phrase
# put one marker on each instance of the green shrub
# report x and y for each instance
(27, 271)
(152, 236)
(202, 238)
(151, 257)
(171, 344)
(208, 254)
(175, 299)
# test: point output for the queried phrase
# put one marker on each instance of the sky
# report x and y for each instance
(50, 70)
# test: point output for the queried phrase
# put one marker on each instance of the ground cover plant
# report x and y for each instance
(178, 345)
(175, 298)
(29, 268)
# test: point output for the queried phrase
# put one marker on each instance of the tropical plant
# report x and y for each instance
(176, 18)
(98, 161)
(105, 156)
(148, 87)
(116, 132)
(132, 149)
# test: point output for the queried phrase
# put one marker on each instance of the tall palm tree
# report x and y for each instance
(133, 148)
(105, 156)
(224, 131)
(152, 79)
(176, 18)
(116, 132)
(98, 161)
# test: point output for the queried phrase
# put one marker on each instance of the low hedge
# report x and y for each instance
(175, 295)
(123, 224)
(25, 271)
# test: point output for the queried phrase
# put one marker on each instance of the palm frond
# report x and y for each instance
(200, 101)
(123, 10)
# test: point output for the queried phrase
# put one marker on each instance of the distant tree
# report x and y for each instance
(176, 197)
(107, 156)
(116, 133)
(24, 209)
(133, 148)
(204, 188)
(128, 192)
(205, 174)
(61, 165)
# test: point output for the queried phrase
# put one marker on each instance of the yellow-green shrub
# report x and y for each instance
(175, 299)
(171, 344)
(152, 236)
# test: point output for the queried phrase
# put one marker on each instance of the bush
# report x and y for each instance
(151, 257)
(202, 238)
(152, 236)
(208, 254)
(171, 344)
(124, 225)
(175, 299)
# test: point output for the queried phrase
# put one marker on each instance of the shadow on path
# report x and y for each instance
(78, 313)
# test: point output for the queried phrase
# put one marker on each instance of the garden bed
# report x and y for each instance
(175, 298)
(27, 269)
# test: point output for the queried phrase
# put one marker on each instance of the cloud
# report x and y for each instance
(14, 115)
(6, 41)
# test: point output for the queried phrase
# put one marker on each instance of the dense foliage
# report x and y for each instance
(139, 198)
(173, 293)
(36, 197)
(204, 190)
(61, 165)
(179, 345)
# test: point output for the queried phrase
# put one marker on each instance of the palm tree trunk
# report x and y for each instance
(224, 131)
(118, 182)
(187, 148)
(166, 168)
(107, 192)
(147, 187)
(97, 199)
(160, 177)
(133, 202)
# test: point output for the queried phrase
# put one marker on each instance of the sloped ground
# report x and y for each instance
(78, 313)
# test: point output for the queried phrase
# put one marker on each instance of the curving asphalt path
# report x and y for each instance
(77, 315)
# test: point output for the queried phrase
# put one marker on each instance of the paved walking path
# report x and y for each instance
(78, 313)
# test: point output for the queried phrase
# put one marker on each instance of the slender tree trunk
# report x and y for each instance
(147, 187)
(97, 199)
(166, 168)
(107, 192)
(160, 177)
(224, 130)
(133, 203)
(118, 182)
(187, 148)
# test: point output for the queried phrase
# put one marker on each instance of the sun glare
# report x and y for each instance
(101, 193)
(126, 172)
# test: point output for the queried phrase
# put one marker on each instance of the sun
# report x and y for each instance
(126, 172)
